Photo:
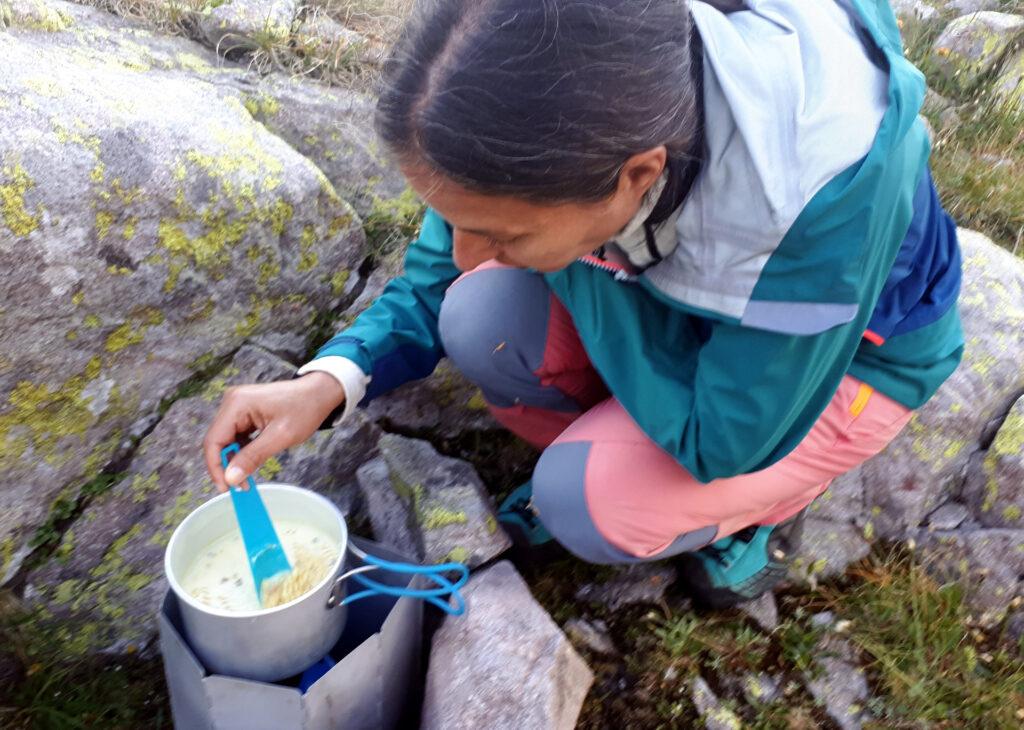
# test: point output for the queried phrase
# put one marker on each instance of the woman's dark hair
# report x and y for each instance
(543, 99)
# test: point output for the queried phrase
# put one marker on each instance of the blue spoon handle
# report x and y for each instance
(262, 546)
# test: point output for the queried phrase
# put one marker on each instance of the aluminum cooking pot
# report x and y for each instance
(274, 643)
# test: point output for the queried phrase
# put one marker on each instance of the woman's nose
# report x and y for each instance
(470, 250)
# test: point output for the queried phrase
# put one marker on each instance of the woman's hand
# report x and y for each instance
(285, 413)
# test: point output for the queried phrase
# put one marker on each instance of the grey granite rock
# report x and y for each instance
(150, 228)
(637, 584)
(431, 504)
(591, 634)
(504, 665)
(994, 487)
(101, 590)
(763, 610)
(712, 712)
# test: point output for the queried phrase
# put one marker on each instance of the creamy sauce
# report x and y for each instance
(220, 577)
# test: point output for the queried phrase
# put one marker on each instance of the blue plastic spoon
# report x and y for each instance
(262, 546)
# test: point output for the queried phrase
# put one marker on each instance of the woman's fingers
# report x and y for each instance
(284, 413)
(272, 440)
(233, 419)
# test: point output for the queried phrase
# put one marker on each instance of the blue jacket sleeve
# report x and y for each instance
(396, 339)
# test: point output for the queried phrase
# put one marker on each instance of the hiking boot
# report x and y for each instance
(742, 566)
(517, 515)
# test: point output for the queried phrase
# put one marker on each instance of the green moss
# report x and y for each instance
(12, 201)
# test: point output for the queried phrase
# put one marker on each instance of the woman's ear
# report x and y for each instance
(641, 171)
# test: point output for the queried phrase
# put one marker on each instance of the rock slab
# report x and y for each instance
(973, 44)
(102, 589)
(149, 226)
(504, 665)
(995, 480)
(249, 24)
(432, 505)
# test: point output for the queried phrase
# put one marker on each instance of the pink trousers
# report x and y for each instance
(601, 487)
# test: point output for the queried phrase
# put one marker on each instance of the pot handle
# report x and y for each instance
(445, 588)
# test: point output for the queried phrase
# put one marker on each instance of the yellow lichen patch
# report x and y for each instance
(1009, 439)
(124, 336)
(92, 321)
(308, 258)
(44, 86)
(93, 368)
(37, 415)
(280, 214)
(216, 387)
(270, 469)
(12, 201)
(338, 223)
(142, 487)
(128, 232)
(252, 318)
(43, 17)
(77, 298)
(192, 62)
(104, 220)
(133, 331)
(338, 281)
(68, 136)
(262, 104)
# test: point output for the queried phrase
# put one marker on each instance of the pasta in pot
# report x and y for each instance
(220, 578)
(307, 570)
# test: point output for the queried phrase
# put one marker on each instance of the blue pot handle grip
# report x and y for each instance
(445, 589)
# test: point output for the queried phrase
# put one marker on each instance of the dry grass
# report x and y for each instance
(343, 62)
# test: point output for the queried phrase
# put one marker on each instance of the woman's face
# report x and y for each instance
(532, 235)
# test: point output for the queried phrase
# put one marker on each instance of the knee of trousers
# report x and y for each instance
(560, 498)
(493, 326)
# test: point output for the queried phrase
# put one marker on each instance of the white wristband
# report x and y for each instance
(351, 377)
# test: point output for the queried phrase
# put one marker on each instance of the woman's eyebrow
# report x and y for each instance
(493, 234)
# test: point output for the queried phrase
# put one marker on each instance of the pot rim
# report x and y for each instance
(332, 575)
